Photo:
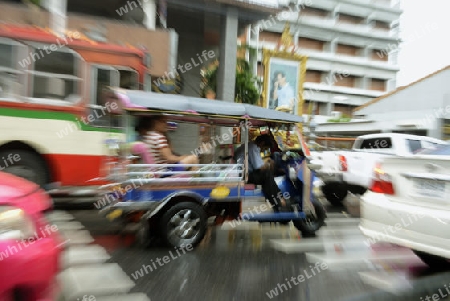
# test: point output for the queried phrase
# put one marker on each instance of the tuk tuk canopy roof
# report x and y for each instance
(201, 109)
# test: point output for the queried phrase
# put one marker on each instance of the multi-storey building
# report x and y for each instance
(351, 47)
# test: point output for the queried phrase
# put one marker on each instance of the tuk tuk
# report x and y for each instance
(175, 205)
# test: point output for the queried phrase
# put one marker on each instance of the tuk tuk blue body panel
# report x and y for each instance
(140, 195)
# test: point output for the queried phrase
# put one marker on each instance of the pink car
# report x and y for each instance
(29, 246)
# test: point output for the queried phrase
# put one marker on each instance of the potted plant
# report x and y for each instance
(247, 86)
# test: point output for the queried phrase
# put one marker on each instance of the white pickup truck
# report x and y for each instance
(344, 171)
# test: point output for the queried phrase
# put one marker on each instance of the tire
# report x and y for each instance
(176, 217)
(30, 166)
(433, 261)
(19, 295)
(357, 189)
(335, 194)
(309, 226)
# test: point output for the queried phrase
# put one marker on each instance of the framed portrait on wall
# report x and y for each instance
(284, 74)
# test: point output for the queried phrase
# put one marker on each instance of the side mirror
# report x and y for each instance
(314, 164)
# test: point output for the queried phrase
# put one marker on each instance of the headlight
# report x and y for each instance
(317, 188)
(318, 183)
(15, 224)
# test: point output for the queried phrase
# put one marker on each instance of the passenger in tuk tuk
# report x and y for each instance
(142, 127)
(159, 147)
(260, 172)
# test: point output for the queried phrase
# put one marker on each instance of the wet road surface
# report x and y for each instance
(268, 262)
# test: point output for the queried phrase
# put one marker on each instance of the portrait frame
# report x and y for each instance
(289, 59)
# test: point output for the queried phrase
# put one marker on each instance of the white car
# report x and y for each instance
(408, 204)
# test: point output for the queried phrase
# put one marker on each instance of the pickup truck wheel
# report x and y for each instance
(335, 194)
(183, 224)
(433, 261)
(309, 226)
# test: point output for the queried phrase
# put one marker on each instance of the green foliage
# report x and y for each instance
(247, 86)
(209, 79)
(246, 90)
(35, 2)
(342, 119)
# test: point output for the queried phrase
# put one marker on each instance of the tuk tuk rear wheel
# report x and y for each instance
(184, 224)
(311, 224)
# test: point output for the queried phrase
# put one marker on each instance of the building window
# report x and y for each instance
(324, 109)
(315, 107)
(349, 19)
(266, 36)
(348, 50)
(346, 110)
(315, 12)
(381, 25)
(378, 84)
(348, 81)
(313, 76)
(380, 55)
(312, 44)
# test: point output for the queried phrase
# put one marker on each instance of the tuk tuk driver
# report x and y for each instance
(260, 172)
(159, 146)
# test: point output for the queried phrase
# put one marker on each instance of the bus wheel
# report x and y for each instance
(24, 164)
(183, 224)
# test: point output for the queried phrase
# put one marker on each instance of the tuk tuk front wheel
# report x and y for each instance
(311, 224)
(184, 224)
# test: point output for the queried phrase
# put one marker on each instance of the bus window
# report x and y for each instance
(12, 77)
(55, 74)
(6, 56)
(129, 79)
(102, 77)
(148, 82)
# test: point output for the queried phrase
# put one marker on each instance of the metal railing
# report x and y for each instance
(142, 174)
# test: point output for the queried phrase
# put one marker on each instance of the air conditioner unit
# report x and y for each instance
(336, 114)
